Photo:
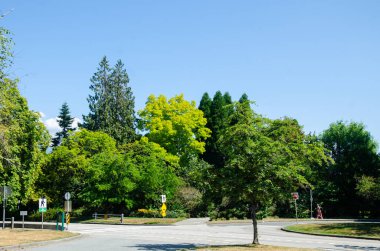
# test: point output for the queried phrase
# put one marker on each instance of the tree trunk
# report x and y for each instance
(254, 223)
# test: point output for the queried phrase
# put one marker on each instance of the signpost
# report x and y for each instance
(23, 214)
(163, 207)
(68, 208)
(163, 198)
(295, 197)
(163, 210)
(42, 204)
(5, 191)
(311, 204)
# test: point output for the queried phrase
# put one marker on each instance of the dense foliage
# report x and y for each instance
(23, 137)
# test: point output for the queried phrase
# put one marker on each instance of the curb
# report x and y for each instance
(39, 243)
(332, 235)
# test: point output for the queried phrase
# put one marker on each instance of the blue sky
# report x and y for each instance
(316, 61)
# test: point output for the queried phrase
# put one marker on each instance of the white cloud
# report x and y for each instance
(53, 126)
(76, 122)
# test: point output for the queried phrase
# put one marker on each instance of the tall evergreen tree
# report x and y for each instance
(112, 103)
(65, 121)
(205, 106)
(243, 98)
(216, 112)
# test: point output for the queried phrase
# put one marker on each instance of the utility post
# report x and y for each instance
(6, 192)
(68, 208)
(311, 204)
(295, 197)
(3, 207)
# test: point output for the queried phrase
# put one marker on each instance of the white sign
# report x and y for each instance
(23, 213)
(68, 206)
(42, 204)
(163, 198)
(67, 196)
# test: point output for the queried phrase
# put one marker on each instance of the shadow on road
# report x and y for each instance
(350, 247)
(165, 247)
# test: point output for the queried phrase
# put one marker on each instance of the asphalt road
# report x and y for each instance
(192, 233)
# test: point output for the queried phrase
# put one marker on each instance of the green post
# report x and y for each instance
(63, 221)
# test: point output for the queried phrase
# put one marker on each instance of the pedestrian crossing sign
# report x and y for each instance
(42, 204)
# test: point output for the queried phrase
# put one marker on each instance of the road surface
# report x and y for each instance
(192, 233)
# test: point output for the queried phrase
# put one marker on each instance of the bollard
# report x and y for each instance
(63, 221)
(122, 218)
(12, 222)
(96, 214)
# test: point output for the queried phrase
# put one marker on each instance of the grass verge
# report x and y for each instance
(133, 220)
(366, 230)
(269, 219)
(16, 237)
(249, 247)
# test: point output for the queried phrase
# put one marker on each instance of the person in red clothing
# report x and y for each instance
(319, 212)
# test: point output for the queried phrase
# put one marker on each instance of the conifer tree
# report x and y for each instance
(112, 103)
(216, 112)
(65, 121)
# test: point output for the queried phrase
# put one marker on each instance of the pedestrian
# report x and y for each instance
(319, 212)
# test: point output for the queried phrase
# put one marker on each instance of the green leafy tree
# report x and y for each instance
(355, 155)
(175, 124)
(111, 178)
(6, 52)
(67, 167)
(23, 138)
(369, 187)
(157, 170)
(65, 121)
(112, 103)
(261, 168)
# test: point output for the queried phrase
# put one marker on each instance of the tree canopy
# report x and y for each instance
(175, 124)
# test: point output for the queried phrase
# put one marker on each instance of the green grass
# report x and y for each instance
(268, 219)
(133, 220)
(368, 230)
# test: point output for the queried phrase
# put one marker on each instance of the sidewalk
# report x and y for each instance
(193, 221)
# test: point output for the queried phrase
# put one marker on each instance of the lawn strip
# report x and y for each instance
(16, 237)
(246, 221)
(356, 230)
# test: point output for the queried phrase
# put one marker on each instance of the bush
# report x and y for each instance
(146, 213)
(155, 213)
(49, 215)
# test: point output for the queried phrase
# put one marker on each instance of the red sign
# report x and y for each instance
(295, 195)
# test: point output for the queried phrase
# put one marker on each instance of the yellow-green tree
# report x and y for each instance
(176, 124)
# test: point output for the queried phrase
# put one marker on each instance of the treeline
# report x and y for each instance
(220, 159)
